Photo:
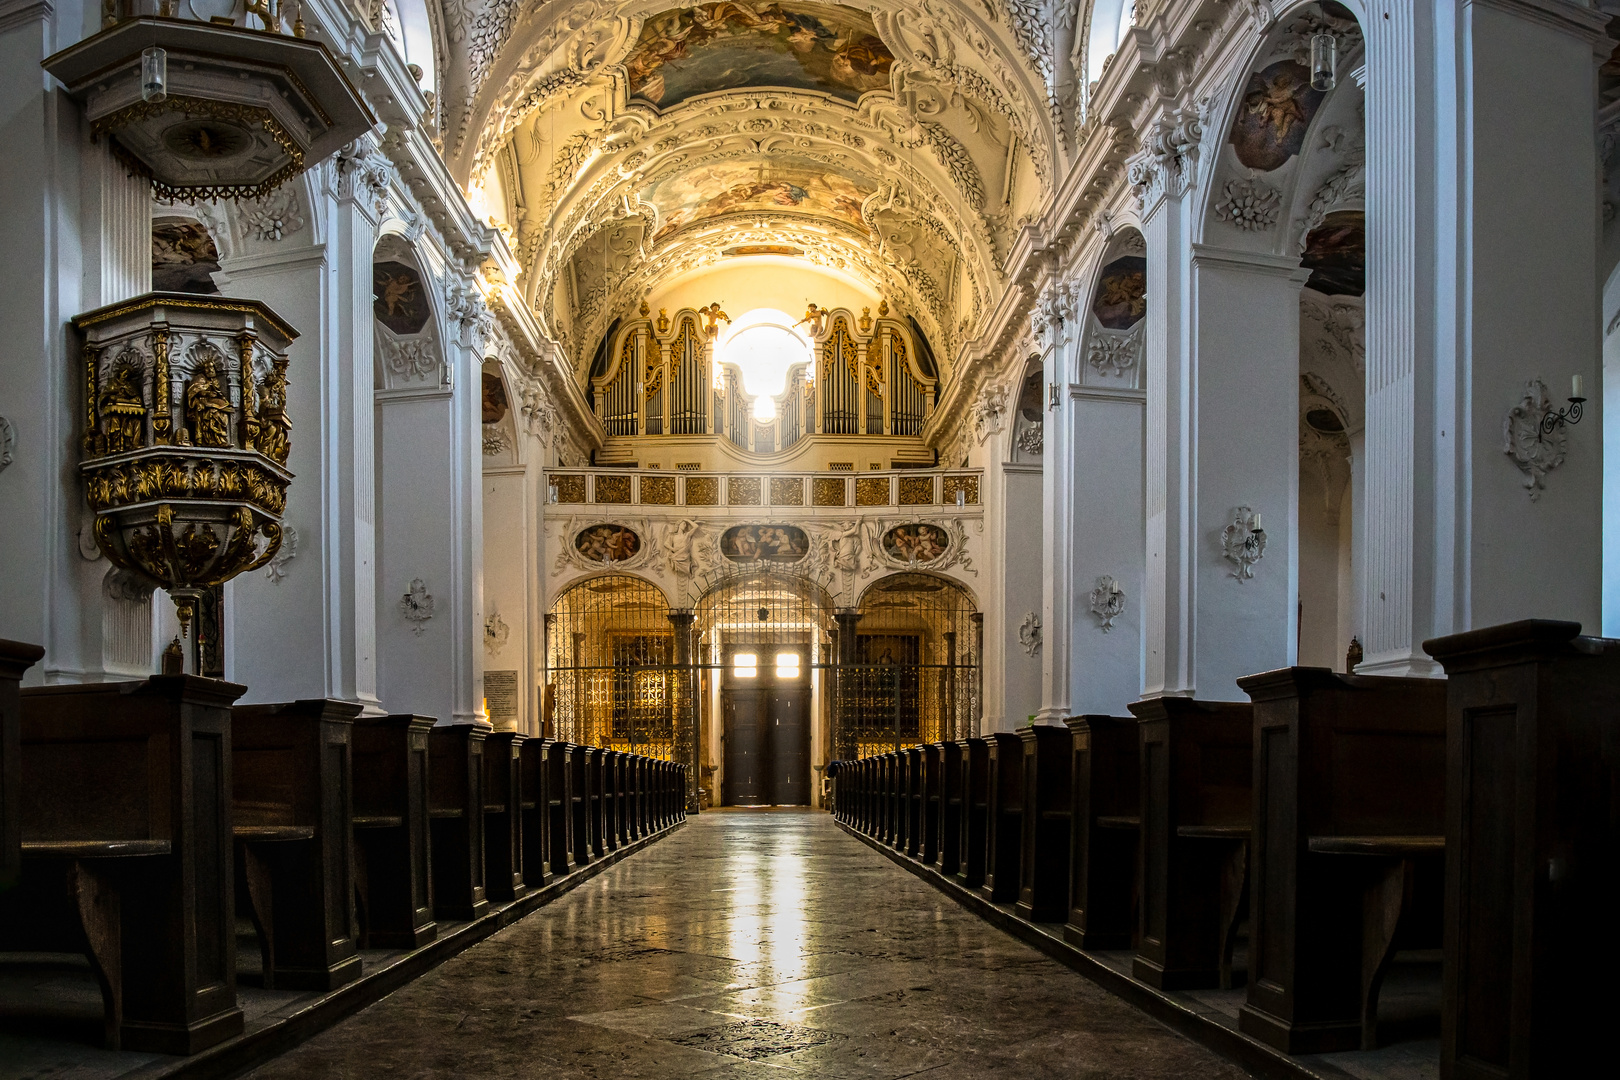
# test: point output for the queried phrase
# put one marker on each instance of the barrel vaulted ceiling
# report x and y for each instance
(625, 145)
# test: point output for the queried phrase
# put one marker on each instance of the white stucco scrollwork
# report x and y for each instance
(1536, 454)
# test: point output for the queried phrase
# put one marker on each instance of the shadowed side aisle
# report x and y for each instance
(752, 943)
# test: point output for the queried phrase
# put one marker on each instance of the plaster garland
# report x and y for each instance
(417, 606)
(276, 568)
(1029, 633)
(1534, 453)
(270, 221)
(1242, 545)
(1107, 602)
(1031, 439)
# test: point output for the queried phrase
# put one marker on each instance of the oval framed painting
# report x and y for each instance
(772, 543)
(916, 543)
(607, 543)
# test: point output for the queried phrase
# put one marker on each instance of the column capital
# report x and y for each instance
(1167, 165)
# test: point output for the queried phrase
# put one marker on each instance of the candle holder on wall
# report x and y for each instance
(1572, 415)
(1243, 542)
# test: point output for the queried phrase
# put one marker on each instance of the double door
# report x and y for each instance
(767, 740)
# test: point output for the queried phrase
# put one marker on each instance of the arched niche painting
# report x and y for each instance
(495, 406)
(916, 543)
(184, 258)
(1336, 254)
(400, 302)
(1122, 293)
(607, 543)
(772, 543)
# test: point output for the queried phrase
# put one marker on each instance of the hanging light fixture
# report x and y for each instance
(1324, 58)
(154, 75)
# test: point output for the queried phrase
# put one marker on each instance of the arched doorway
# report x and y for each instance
(915, 675)
(613, 677)
(764, 636)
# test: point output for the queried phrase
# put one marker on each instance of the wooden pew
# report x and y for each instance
(596, 761)
(1105, 827)
(560, 796)
(391, 832)
(950, 808)
(634, 771)
(1047, 763)
(582, 781)
(614, 809)
(125, 816)
(1349, 814)
(456, 815)
(911, 766)
(1195, 769)
(1532, 827)
(975, 785)
(16, 658)
(503, 816)
(928, 848)
(292, 810)
(1004, 817)
(535, 804)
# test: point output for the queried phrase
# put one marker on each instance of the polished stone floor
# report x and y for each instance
(751, 944)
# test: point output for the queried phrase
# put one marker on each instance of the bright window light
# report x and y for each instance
(764, 346)
(787, 665)
(744, 665)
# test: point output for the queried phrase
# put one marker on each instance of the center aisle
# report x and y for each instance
(752, 943)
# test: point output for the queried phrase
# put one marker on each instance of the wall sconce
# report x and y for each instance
(961, 498)
(1243, 542)
(1572, 415)
(1052, 395)
(551, 493)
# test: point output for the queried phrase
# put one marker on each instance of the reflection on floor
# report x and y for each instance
(751, 944)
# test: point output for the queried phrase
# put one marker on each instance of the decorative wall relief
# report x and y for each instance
(417, 606)
(411, 360)
(937, 544)
(276, 568)
(1243, 542)
(1251, 205)
(1107, 602)
(989, 411)
(495, 441)
(772, 543)
(269, 220)
(496, 633)
(1112, 354)
(607, 544)
(8, 441)
(1029, 633)
(1523, 441)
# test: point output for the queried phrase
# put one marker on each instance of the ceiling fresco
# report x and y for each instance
(729, 46)
(786, 185)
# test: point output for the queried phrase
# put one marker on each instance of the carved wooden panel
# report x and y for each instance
(570, 488)
(787, 491)
(871, 491)
(612, 489)
(828, 491)
(968, 485)
(702, 491)
(743, 491)
(658, 490)
(915, 490)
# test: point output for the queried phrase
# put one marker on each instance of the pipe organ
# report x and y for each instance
(860, 379)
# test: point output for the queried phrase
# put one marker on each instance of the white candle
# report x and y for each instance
(1254, 524)
(1575, 387)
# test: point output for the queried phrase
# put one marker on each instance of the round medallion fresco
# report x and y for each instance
(775, 543)
(607, 543)
(916, 543)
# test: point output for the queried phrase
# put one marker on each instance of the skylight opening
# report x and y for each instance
(764, 347)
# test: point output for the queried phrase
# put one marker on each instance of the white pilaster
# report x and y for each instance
(1056, 323)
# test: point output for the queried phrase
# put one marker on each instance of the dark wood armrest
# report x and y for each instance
(378, 821)
(1213, 832)
(266, 834)
(1391, 847)
(447, 813)
(1119, 822)
(93, 849)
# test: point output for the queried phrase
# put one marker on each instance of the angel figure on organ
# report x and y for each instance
(208, 410)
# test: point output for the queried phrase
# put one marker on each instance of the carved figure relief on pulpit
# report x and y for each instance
(274, 433)
(123, 412)
(208, 410)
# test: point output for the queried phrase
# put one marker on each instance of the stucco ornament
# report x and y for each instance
(1251, 205)
(496, 633)
(1031, 440)
(264, 220)
(989, 412)
(8, 440)
(1243, 542)
(1107, 602)
(276, 568)
(1536, 454)
(417, 606)
(1029, 633)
